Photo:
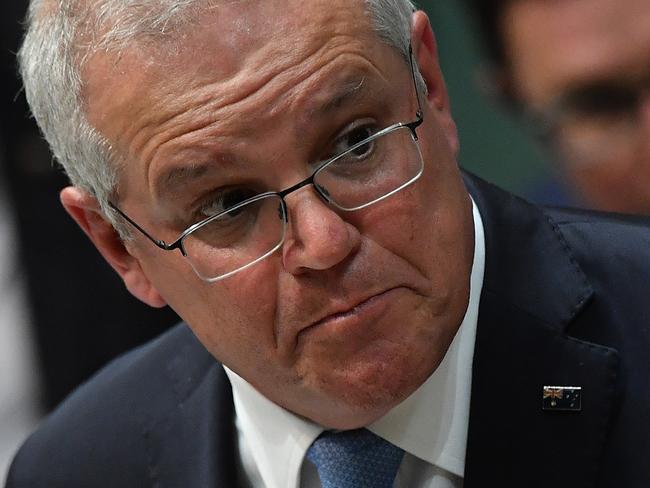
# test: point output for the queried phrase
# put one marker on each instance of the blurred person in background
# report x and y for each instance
(48, 344)
(19, 410)
(20, 389)
(580, 69)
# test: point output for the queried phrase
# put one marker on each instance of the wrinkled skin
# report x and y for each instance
(355, 310)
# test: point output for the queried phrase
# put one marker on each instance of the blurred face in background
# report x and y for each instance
(583, 67)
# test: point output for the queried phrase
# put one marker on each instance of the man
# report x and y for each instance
(580, 69)
(283, 174)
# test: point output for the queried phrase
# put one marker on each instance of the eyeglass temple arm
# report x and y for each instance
(419, 114)
(160, 243)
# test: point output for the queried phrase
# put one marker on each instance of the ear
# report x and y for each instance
(85, 210)
(425, 53)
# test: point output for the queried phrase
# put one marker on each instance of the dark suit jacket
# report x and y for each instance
(565, 301)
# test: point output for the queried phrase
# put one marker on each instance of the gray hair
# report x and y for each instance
(62, 33)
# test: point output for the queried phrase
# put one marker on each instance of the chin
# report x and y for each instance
(358, 394)
(350, 373)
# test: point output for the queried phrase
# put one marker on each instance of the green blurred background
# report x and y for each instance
(494, 144)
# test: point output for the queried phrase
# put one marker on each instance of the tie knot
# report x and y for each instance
(355, 459)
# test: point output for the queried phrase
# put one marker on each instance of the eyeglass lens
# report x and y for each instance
(254, 229)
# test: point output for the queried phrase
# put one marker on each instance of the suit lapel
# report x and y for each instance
(532, 290)
(194, 443)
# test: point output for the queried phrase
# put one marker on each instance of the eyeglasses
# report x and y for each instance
(251, 227)
(595, 123)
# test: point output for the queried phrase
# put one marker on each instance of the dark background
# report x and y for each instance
(80, 311)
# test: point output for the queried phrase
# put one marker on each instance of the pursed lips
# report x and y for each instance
(349, 308)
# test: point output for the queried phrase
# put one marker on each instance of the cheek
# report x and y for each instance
(234, 318)
(434, 240)
(427, 221)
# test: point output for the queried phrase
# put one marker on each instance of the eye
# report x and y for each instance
(223, 200)
(354, 136)
(607, 100)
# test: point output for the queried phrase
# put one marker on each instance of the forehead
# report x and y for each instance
(240, 59)
(228, 40)
(553, 44)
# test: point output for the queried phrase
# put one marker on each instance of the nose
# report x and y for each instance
(318, 237)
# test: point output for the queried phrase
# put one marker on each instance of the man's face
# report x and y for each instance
(587, 62)
(356, 309)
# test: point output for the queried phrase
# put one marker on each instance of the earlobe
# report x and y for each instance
(85, 210)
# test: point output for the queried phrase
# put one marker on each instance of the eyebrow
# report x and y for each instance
(179, 176)
(345, 93)
(180, 173)
(352, 90)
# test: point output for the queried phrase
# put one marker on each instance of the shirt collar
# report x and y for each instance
(430, 424)
(275, 439)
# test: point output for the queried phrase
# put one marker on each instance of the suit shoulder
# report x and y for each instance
(605, 240)
(100, 428)
(613, 251)
(573, 216)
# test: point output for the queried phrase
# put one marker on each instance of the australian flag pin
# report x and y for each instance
(562, 398)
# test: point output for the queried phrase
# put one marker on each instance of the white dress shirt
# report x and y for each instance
(430, 425)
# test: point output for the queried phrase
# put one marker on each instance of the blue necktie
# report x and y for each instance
(355, 459)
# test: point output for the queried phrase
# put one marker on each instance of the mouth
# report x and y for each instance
(367, 309)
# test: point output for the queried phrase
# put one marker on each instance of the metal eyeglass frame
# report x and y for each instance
(178, 243)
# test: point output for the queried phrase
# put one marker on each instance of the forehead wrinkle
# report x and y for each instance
(232, 117)
(186, 104)
(352, 89)
(158, 121)
(249, 84)
(320, 101)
